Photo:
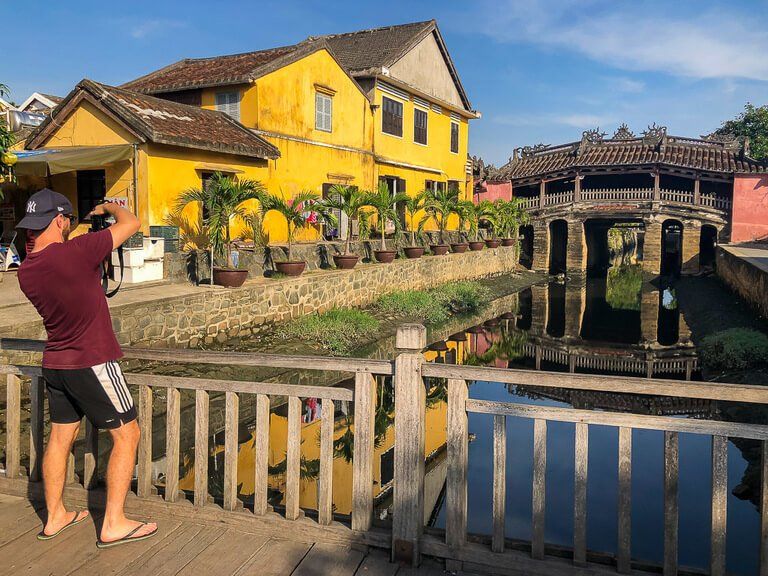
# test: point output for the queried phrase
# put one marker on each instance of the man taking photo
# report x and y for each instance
(62, 278)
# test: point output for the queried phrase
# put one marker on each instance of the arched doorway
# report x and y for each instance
(707, 245)
(558, 246)
(671, 248)
(526, 246)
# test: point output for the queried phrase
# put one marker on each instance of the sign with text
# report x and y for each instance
(121, 201)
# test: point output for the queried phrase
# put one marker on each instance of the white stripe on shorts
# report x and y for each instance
(111, 378)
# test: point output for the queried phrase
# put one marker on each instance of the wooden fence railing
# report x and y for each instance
(625, 195)
(406, 538)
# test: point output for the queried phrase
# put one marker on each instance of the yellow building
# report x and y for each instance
(382, 105)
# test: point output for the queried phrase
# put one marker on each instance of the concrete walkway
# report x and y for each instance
(755, 254)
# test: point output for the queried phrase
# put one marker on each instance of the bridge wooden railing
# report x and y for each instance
(649, 366)
(406, 538)
(626, 195)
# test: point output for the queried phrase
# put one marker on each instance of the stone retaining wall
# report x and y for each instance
(195, 266)
(218, 313)
(747, 280)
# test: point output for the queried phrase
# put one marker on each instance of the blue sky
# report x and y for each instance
(538, 70)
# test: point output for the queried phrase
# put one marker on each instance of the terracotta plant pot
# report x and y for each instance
(345, 261)
(508, 316)
(459, 248)
(413, 252)
(508, 242)
(493, 243)
(385, 256)
(439, 249)
(491, 323)
(229, 277)
(475, 329)
(475, 246)
(291, 268)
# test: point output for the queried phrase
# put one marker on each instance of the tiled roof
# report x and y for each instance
(363, 53)
(164, 122)
(687, 153)
(52, 98)
(378, 47)
(202, 72)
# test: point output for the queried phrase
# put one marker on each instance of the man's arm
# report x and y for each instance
(125, 226)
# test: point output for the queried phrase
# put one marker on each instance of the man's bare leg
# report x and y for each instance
(55, 473)
(119, 472)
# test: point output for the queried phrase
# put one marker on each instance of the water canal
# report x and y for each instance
(611, 324)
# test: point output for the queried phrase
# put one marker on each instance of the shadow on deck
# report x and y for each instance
(183, 546)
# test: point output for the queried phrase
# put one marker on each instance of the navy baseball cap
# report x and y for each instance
(42, 208)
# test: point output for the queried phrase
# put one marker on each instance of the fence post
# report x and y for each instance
(410, 415)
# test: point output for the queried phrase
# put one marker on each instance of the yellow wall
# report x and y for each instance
(172, 170)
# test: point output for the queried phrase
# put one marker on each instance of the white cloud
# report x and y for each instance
(150, 27)
(640, 36)
(627, 85)
(582, 121)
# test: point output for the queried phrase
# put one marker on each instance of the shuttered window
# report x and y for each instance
(229, 103)
(392, 117)
(454, 137)
(323, 112)
(419, 126)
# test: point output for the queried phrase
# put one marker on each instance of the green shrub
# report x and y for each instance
(414, 304)
(734, 349)
(462, 297)
(436, 305)
(338, 330)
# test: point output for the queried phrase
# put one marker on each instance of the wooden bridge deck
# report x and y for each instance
(183, 546)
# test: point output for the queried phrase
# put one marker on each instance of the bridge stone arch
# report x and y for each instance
(558, 246)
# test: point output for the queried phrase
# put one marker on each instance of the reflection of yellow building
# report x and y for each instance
(383, 105)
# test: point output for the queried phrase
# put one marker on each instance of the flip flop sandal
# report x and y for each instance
(127, 538)
(75, 521)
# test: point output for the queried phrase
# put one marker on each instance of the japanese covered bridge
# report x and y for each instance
(681, 195)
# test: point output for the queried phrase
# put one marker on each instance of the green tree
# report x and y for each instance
(413, 205)
(294, 211)
(384, 203)
(222, 200)
(439, 206)
(350, 200)
(752, 124)
(6, 140)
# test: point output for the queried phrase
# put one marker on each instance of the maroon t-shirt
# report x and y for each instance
(63, 281)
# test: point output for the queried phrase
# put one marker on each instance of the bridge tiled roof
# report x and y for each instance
(655, 149)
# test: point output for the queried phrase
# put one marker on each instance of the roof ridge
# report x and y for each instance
(422, 23)
(247, 53)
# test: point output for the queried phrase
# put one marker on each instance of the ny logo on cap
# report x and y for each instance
(31, 205)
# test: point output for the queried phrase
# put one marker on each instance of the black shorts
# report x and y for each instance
(98, 393)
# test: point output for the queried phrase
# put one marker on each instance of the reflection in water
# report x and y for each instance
(612, 325)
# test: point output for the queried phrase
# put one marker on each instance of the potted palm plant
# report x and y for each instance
(465, 210)
(413, 207)
(384, 204)
(489, 213)
(476, 214)
(224, 200)
(513, 215)
(350, 201)
(439, 206)
(294, 211)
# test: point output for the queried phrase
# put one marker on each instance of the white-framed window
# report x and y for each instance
(323, 112)
(229, 103)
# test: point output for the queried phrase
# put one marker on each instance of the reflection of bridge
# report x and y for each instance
(679, 191)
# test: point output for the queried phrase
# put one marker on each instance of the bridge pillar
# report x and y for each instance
(691, 238)
(539, 306)
(540, 245)
(649, 314)
(575, 300)
(576, 257)
(652, 247)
